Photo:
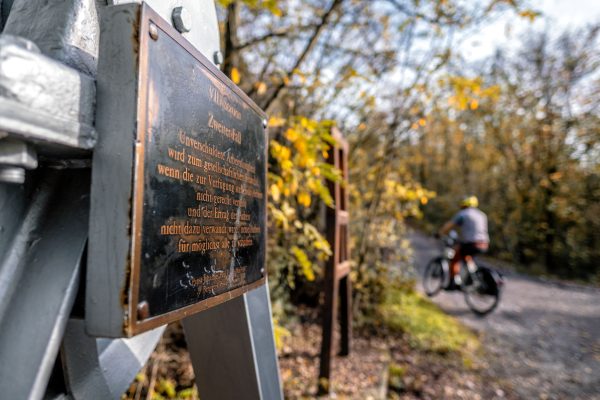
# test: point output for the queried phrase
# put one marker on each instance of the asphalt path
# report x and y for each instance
(543, 340)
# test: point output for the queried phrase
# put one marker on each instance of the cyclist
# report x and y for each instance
(473, 238)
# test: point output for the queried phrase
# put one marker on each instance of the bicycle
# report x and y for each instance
(482, 286)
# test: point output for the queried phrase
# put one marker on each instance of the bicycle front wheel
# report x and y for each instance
(482, 294)
(434, 276)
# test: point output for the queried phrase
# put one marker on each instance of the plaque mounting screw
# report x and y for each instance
(153, 31)
(265, 123)
(143, 310)
(182, 20)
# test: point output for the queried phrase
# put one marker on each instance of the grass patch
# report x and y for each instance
(396, 375)
(428, 328)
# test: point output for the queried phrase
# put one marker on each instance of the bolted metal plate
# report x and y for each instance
(198, 203)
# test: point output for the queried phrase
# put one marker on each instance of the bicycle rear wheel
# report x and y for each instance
(434, 276)
(482, 294)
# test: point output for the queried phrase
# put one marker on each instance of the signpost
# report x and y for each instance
(184, 176)
(337, 270)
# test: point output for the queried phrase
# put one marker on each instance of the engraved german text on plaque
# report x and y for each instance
(199, 183)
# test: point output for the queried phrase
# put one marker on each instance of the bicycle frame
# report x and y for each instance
(468, 265)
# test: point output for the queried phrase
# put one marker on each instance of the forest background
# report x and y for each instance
(519, 129)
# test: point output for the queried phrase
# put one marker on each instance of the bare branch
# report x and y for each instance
(309, 46)
(275, 34)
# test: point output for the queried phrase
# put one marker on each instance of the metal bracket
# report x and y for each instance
(103, 368)
(43, 101)
(45, 107)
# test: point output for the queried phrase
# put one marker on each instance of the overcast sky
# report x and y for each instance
(557, 16)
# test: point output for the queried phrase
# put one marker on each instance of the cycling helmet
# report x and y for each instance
(469, 201)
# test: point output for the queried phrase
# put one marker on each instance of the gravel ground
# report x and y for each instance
(364, 374)
(361, 375)
(543, 340)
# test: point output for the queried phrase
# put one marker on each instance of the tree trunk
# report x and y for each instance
(231, 40)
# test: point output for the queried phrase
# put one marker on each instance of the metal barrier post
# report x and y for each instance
(233, 350)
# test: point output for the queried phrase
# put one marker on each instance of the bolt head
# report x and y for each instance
(12, 175)
(143, 310)
(218, 57)
(182, 19)
(153, 31)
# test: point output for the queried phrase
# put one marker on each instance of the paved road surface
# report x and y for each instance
(544, 338)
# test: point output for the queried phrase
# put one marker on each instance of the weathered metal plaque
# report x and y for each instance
(198, 207)
(199, 202)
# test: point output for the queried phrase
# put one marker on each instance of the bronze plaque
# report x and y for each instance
(199, 206)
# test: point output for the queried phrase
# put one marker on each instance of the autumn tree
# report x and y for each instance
(365, 66)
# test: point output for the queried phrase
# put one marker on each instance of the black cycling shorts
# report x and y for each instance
(471, 249)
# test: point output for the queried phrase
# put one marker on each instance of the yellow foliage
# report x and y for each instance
(280, 334)
(291, 134)
(270, 5)
(275, 122)
(261, 87)
(371, 101)
(556, 176)
(288, 211)
(310, 140)
(293, 186)
(301, 75)
(300, 145)
(287, 165)
(275, 192)
(304, 199)
(279, 217)
(305, 263)
(400, 200)
(469, 92)
(166, 387)
(235, 76)
(529, 14)
(296, 176)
